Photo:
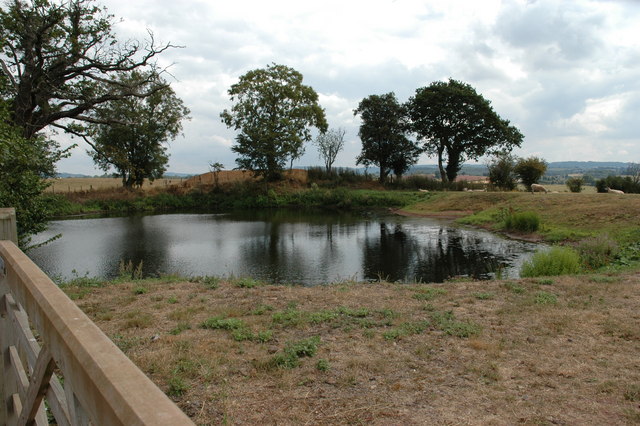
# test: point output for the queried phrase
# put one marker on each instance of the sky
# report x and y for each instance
(566, 73)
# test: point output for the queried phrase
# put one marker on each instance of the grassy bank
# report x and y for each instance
(232, 197)
(530, 351)
(563, 216)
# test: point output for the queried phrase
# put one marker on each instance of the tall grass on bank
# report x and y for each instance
(522, 221)
(240, 196)
(557, 261)
(598, 251)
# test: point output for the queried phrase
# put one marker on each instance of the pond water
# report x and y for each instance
(295, 247)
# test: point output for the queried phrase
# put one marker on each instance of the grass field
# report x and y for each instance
(530, 351)
(563, 215)
(65, 185)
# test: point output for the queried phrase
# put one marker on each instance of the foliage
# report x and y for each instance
(522, 221)
(575, 184)
(273, 111)
(383, 133)
(598, 251)
(56, 53)
(622, 183)
(556, 261)
(128, 134)
(293, 351)
(338, 176)
(329, 144)
(24, 165)
(502, 173)
(457, 124)
(530, 170)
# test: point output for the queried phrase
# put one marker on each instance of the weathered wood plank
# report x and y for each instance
(109, 387)
(38, 386)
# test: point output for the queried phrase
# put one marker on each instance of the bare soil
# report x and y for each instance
(532, 351)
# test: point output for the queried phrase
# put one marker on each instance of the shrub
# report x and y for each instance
(575, 184)
(522, 221)
(530, 170)
(557, 261)
(502, 171)
(598, 251)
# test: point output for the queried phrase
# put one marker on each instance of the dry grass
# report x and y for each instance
(66, 185)
(578, 212)
(457, 353)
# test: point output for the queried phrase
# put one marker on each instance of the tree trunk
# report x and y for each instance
(443, 173)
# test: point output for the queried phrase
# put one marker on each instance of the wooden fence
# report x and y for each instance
(51, 351)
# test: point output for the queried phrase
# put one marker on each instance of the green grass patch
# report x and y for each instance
(428, 293)
(293, 351)
(522, 221)
(557, 261)
(545, 298)
(406, 329)
(223, 323)
(446, 322)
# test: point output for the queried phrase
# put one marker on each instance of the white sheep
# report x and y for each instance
(538, 188)
(614, 191)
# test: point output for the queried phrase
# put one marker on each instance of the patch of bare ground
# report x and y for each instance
(532, 351)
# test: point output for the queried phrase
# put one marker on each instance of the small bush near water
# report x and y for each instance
(522, 221)
(557, 261)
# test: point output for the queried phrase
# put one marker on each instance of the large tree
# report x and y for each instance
(134, 142)
(274, 113)
(457, 124)
(383, 133)
(24, 165)
(55, 53)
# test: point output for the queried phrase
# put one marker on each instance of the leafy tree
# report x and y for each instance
(330, 143)
(458, 124)
(24, 165)
(55, 54)
(134, 141)
(530, 170)
(575, 184)
(502, 171)
(274, 112)
(383, 134)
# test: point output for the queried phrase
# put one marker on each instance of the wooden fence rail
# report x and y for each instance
(50, 350)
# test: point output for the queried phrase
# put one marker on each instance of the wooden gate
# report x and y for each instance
(51, 351)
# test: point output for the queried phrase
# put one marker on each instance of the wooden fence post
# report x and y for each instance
(8, 227)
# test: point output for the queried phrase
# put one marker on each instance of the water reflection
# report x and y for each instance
(279, 246)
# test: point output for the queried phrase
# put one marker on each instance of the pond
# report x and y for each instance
(296, 247)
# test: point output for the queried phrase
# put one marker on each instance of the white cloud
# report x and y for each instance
(565, 73)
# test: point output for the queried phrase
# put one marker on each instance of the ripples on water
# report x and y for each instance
(279, 246)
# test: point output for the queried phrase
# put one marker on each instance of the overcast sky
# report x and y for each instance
(566, 73)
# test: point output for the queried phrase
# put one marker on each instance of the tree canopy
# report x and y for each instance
(24, 165)
(56, 53)
(383, 133)
(274, 113)
(530, 170)
(457, 124)
(133, 142)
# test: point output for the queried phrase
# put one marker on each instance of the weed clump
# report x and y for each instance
(557, 261)
(522, 221)
(597, 252)
(293, 351)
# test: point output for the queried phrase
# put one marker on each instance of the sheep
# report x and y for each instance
(538, 188)
(614, 191)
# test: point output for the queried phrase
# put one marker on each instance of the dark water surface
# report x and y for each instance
(279, 246)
